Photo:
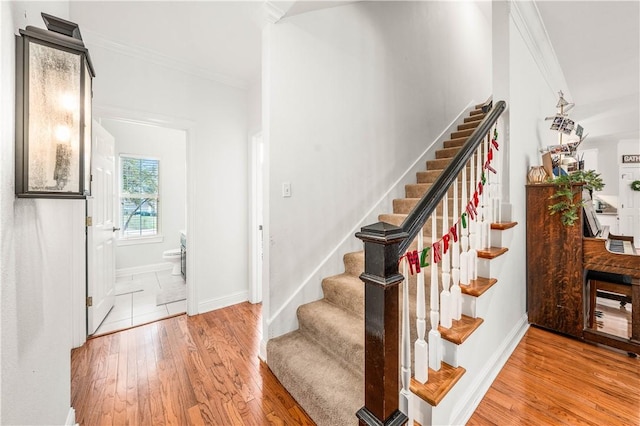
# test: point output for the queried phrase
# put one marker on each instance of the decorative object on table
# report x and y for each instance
(537, 174)
(635, 185)
(53, 111)
(564, 195)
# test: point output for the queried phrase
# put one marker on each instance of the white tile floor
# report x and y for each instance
(135, 302)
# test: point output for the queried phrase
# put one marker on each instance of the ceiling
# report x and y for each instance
(597, 44)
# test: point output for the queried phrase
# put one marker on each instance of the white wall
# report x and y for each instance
(357, 92)
(130, 84)
(169, 147)
(41, 252)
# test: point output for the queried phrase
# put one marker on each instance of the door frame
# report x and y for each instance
(147, 118)
(256, 219)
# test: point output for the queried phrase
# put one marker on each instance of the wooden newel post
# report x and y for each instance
(381, 329)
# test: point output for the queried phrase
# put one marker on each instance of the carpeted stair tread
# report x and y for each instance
(471, 118)
(354, 263)
(346, 291)
(330, 393)
(336, 330)
(469, 125)
(430, 176)
(453, 143)
(447, 152)
(461, 133)
(438, 164)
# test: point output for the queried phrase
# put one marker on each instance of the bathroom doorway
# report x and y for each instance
(151, 213)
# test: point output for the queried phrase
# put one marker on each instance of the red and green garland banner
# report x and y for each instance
(421, 260)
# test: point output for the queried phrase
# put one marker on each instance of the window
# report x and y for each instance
(139, 190)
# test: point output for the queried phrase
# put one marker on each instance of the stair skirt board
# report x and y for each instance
(465, 398)
(283, 320)
(322, 362)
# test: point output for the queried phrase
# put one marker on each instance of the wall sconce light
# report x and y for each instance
(53, 111)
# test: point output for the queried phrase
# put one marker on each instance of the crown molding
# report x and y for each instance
(275, 10)
(98, 40)
(526, 17)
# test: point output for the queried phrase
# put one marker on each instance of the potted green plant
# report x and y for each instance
(566, 190)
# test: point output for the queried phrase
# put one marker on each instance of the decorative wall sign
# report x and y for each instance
(626, 159)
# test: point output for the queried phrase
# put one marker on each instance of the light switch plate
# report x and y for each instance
(286, 189)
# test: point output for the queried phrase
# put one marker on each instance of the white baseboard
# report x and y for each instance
(471, 399)
(223, 302)
(156, 267)
(71, 417)
(263, 350)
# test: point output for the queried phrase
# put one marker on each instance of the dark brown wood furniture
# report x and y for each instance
(558, 261)
(555, 291)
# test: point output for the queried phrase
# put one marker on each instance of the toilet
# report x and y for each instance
(173, 256)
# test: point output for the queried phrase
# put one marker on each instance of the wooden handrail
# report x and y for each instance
(416, 219)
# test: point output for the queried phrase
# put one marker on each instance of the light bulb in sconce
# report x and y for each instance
(69, 102)
(63, 133)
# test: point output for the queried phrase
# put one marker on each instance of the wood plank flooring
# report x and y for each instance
(205, 370)
(555, 380)
(200, 370)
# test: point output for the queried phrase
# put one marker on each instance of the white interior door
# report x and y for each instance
(100, 233)
(629, 208)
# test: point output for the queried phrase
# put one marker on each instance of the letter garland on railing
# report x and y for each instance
(418, 260)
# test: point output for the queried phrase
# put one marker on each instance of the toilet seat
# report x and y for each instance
(171, 253)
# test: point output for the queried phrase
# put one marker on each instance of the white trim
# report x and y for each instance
(71, 417)
(223, 302)
(256, 177)
(99, 40)
(474, 393)
(526, 17)
(79, 276)
(263, 350)
(157, 267)
(339, 249)
(273, 13)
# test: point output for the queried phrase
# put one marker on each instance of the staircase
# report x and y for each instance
(322, 362)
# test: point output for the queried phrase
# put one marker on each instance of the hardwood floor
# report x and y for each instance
(552, 380)
(181, 371)
(204, 370)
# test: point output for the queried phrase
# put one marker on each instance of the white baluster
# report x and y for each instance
(471, 222)
(479, 217)
(498, 167)
(472, 258)
(435, 353)
(405, 393)
(445, 296)
(464, 233)
(456, 294)
(421, 348)
(486, 223)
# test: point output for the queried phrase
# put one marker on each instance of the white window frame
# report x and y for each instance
(122, 239)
